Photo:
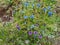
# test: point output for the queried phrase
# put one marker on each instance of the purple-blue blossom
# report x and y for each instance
(40, 36)
(18, 27)
(35, 32)
(30, 33)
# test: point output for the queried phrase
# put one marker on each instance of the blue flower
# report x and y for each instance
(49, 7)
(38, 5)
(25, 17)
(26, 4)
(50, 13)
(32, 16)
(44, 9)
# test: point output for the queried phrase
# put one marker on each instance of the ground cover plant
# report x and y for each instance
(34, 23)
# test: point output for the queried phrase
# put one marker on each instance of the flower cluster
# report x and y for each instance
(31, 16)
(34, 24)
(35, 33)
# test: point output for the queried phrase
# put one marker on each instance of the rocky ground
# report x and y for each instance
(57, 40)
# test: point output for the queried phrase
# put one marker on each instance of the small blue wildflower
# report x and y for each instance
(38, 5)
(26, 4)
(44, 9)
(30, 33)
(50, 13)
(32, 26)
(18, 27)
(32, 16)
(25, 17)
(49, 7)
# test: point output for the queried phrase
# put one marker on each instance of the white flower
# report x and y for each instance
(27, 41)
